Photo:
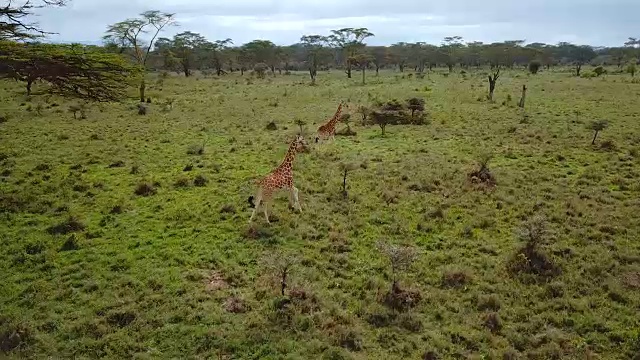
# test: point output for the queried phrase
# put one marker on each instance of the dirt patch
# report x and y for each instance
(482, 177)
(631, 279)
(235, 305)
(400, 299)
(216, 282)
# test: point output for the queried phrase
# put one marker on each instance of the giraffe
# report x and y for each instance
(328, 130)
(279, 179)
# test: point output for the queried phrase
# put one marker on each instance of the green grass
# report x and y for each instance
(90, 269)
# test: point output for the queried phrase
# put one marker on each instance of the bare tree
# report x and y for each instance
(280, 265)
(400, 259)
(492, 82)
(524, 94)
(346, 168)
(13, 25)
(128, 34)
(598, 126)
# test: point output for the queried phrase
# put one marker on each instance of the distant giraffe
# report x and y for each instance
(328, 130)
(279, 179)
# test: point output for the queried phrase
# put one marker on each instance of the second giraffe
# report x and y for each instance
(279, 179)
(328, 130)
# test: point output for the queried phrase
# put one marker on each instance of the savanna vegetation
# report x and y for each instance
(450, 218)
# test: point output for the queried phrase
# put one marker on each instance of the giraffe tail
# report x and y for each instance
(252, 204)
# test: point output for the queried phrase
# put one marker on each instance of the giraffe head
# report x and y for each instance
(301, 144)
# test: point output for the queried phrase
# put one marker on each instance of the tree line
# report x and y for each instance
(346, 49)
(135, 45)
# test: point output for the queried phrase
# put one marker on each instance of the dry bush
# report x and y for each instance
(482, 175)
(531, 259)
(145, 189)
(72, 224)
(400, 259)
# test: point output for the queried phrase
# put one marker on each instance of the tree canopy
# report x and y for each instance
(87, 72)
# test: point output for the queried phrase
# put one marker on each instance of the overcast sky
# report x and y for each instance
(594, 22)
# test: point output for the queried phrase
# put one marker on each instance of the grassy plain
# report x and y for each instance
(91, 269)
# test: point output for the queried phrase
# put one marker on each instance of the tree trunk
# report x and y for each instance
(187, 72)
(450, 67)
(377, 70)
(273, 70)
(280, 71)
(401, 67)
(594, 138)
(349, 71)
(313, 73)
(430, 66)
(241, 71)
(578, 68)
(29, 83)
(524, 93)
(492, 87)
(142, 88)
(284, 281)
(344, 183)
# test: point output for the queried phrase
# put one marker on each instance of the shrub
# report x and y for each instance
(531, 259)
(483, 175)
(145, 189)
(72, 224)
(272, 126)
(142, 109)
(364, 112)
(599, 70)
(260, 70)
(632, 67)
(200, 181)
(182, 182)
(455, 279)
(493, 322)
(534, 66)
(415, 104)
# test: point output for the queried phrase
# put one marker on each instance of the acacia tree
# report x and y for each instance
(450, 48)
(350, 42)
(13, 24)
(399, 53)
(87, 72)
(164, 48)
(185, 45)
(579, 55)
(315, 46)
(218, 49)
(262, 51)
(128, 34)
(362, 60)
(72, 70)
(379, 57)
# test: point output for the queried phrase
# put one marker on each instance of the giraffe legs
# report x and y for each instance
(258, 201)
(266, 216)
(294, 195)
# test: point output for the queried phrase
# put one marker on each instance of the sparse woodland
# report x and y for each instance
(450, 218)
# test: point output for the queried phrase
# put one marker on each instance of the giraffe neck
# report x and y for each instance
(336, 117)
(287, 163)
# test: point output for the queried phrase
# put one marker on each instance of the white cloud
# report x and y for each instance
(599, 22)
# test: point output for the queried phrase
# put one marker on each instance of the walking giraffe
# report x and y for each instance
(328, 130)
(279, 179)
